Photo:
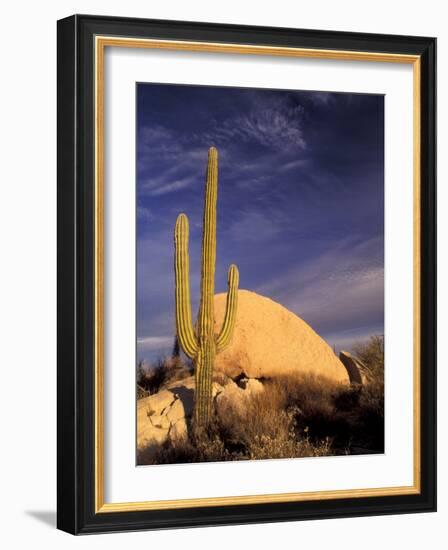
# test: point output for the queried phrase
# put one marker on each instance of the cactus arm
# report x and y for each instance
(184, 325)
(225, 336)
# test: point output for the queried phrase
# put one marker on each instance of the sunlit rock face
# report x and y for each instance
(269, 340)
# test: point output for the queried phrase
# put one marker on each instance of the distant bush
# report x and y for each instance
(371, 353)
(165, 371)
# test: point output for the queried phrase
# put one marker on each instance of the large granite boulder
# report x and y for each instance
(269, 341)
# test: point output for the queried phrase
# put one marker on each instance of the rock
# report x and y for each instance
(234, 396)
(355, 367)
(179, 429)
(153, 423)
(269, 341)
(176, 412)
(251, 385)
(168, 412)
(159, 402)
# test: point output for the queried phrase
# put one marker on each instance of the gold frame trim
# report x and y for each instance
(101, 42)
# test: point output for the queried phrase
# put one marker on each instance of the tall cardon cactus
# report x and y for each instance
(199, 341)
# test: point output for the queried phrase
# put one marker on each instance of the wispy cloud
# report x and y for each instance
(254, 226)
(180, 174)
(340, 288)
(345, 339)
(171, 186)
(170, 161)
(278, 126)
(151, 343)
(144, 213)
(292, 165)
(158, 141)
(323, 98)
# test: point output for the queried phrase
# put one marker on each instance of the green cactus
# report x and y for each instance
(199, 342)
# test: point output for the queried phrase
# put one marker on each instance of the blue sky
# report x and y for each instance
(300, 203)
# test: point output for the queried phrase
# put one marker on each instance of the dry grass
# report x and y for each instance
(165, 371)
(266, 426)
(256, 434)
(301, 416)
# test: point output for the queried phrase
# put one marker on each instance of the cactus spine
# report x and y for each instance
(199, 342)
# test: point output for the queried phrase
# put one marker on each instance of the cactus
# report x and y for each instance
(199, 342)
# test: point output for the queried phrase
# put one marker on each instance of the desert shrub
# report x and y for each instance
(141, 392)
(207, 448)
(141, 386)
(350, 417)
(164, 372)
(177, 369)
(264, 426)
(257, 427)
(219, 444)
(151, 381)
(371, 353)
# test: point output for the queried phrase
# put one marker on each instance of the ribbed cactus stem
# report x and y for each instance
(205, 316)
(205, 325)
(201, 345)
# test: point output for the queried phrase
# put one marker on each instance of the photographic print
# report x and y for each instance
(246, 215)
(260, 274)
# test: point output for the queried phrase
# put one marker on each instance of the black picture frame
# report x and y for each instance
(76, 255)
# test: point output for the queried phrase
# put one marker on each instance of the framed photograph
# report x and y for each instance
(246, 274)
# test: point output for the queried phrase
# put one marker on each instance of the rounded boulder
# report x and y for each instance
(269, 340)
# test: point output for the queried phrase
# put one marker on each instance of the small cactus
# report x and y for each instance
(199, 342)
